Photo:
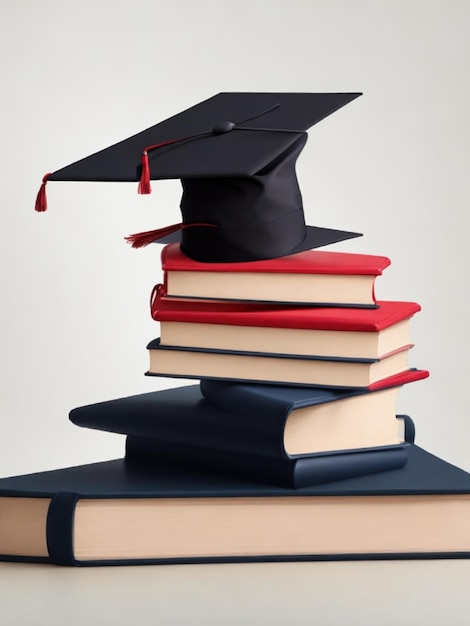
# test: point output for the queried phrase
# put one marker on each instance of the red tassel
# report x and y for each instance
(144, 183)
(41, 198)
(139, 240)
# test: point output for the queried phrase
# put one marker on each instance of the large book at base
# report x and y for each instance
(115, 513)
(311, 277)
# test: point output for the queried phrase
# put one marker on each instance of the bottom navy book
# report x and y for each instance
(115, 512)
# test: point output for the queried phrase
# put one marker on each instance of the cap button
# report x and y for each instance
(222, 127)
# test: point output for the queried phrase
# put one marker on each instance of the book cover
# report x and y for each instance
(270, 422)
(307, 262)
(311, 277)
(116, 513)
(317, 331)
(387, 314)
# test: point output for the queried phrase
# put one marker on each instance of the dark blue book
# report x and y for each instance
(292, 473)
(300, 437)
(276, 422)
(115, 512)
(282, 369)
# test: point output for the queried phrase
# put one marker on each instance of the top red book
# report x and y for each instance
(312, 277)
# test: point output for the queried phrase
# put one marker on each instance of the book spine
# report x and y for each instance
(327, 469)
(59, 528)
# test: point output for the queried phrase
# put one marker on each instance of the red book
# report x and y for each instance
(356, 333)
(313, 277)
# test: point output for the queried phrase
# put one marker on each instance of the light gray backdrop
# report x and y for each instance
(79, 76)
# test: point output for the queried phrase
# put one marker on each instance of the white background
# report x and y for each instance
(79, 76)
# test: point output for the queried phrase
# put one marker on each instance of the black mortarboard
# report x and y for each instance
(235, 154)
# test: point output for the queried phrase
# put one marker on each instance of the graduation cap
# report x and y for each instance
(235, 155)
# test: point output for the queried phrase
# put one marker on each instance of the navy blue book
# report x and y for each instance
(294, 473)
(285, 422)
(282, 369)
(115, 512)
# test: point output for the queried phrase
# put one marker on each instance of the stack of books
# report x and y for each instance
(294, 395)
(288, 446)
(234, 470)
(326, 330)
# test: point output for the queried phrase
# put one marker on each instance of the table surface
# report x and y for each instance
(327, 593)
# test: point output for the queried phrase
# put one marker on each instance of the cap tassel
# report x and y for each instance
(140, 240)
(144, 183)
(41, 198)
